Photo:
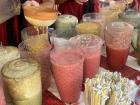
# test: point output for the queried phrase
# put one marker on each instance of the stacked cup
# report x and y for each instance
(36, 45)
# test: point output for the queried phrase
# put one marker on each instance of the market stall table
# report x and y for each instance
(131, 71)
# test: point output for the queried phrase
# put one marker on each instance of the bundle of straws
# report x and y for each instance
(108, 88)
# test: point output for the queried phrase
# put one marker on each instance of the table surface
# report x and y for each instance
(131, 71)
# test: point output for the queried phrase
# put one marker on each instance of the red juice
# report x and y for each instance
(67, 67)
(91, 64)
(91, 47)
(116, 57)
(118, 39)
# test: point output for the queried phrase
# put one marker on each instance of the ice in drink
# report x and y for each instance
(38, 47)
(23, 81)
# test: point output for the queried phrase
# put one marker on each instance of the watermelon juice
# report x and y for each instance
(91, 63)
(118, 39)
(91, 46)
(67, 67)
(116, 57)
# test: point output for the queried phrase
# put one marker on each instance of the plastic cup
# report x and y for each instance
(118, 39)
(41, 55)
(95, 17)
(23, 81)
(67, 67)
(91, 47)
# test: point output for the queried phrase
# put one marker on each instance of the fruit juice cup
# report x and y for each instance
(65, 25)
(91, 47)
(27, 50)
(23, 81)
(95, 17)
(2, 98)
(118, 6)
(118, 38)
(89, 28)
(67, 67)
(111, 14)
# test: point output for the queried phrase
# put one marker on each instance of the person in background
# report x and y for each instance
(77, 7)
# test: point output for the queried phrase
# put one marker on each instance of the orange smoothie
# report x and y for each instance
(116, 57)
(67, 69)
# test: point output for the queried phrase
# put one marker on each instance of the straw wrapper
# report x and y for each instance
(109, 88)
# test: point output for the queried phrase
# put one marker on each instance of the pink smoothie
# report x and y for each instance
(116, 57)
(2, 98)
(67, 69)
(91, 63)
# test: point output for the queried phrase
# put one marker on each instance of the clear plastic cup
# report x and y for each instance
(91, 47)
(41, 55)
(67, 67)
(23, 81)
(95, 17)
(118, 39)
(89, 28)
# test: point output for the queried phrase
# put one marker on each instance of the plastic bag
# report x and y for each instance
(8, 9)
